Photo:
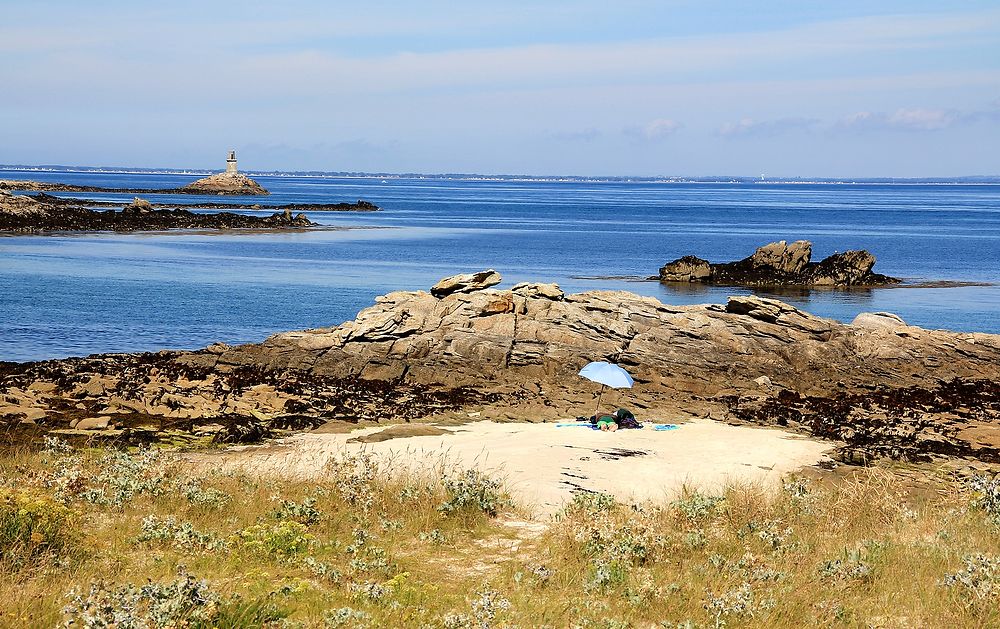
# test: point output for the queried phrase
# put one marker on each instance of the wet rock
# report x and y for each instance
(780, 264)
(686, 269)
(21, 214)
(466, 283)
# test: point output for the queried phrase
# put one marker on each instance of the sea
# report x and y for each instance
(79, 294)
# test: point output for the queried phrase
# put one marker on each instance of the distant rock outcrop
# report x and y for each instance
(226, 183)
(780, 264)
(44, 213)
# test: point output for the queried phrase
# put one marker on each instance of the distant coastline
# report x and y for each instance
(717, 179)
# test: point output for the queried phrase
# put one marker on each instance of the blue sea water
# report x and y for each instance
(78, 294)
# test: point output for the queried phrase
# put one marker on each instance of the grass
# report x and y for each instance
(135, 539)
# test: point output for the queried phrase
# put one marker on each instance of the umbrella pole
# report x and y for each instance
(598, 402)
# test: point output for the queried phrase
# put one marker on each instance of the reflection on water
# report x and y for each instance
(77, 294)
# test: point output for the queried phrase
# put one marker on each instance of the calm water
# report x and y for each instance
(81, 294)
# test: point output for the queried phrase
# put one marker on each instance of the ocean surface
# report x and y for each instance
(72, 295)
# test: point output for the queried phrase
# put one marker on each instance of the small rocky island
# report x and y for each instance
(780, 264)
(23, 214)
(229, 182)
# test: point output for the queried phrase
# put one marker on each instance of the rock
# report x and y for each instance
(783, 257)
(686, 269)
(226, 183)
(850, 268)
(763, 382)
(878, 321)
(466, 283)
(780, 264)
(141, 206)
(92, 423)
(533, 291)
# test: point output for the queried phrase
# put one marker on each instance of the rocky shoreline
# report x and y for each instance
(780, 264)
(359, 206)
(20, 214)
(878, 387)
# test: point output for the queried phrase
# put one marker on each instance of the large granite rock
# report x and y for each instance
(780, 264)
(892, 390)
(226, 183)
(466, 283)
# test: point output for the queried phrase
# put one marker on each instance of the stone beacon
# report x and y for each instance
(228, 182)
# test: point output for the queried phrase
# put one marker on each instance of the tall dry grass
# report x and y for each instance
(145, 536)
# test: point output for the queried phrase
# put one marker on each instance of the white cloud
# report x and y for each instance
(749, 126)
(916, 119)
(660, 128)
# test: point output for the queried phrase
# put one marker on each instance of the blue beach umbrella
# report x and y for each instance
(606, 375)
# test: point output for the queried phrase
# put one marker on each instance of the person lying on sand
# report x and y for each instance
(622, 418)
(608, 423)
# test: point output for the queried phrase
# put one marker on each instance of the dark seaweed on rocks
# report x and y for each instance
(130, 218)
(907, 423)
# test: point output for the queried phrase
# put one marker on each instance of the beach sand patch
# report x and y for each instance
(543, 464)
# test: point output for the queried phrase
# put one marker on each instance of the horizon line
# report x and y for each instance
(509, 176)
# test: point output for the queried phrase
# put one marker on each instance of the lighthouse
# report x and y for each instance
(231, 163)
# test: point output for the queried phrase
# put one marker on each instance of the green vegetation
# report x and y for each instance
(95, 538)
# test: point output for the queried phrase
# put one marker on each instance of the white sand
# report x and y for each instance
(543, 464)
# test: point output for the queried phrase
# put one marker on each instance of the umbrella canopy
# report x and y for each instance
(607, 374)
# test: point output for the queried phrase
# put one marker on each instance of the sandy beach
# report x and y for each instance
(544, 464)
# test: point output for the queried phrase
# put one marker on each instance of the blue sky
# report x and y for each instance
(700, 87)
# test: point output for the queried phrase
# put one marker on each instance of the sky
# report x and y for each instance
(647, 88)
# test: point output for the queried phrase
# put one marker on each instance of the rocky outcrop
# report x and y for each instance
(465, 283)
(28, 215)
(226, 183)
(780, 264)
(893, 390)
(359, 206)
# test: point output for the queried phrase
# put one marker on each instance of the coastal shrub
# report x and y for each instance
(181, 535)
(282, 540)
(304, 512)
(698, 507)
(740, 602)
(124, 475)
(986, 496)
(33, 525)
(487, 606)
(355, 479)
(591, 502)
(473, 491)
(855, 564)
(186, 601)
(979, 579)
(183, 602)
(345, 617)
(771, 532)
(197, 494)
(322, 570)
